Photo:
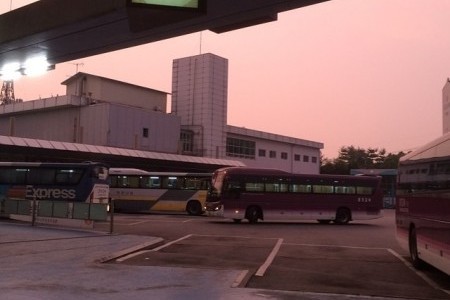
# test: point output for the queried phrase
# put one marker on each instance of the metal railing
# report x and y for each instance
(39, 209)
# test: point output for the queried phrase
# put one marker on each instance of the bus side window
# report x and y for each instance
(144, 182)
(121, 181)
(191, 183)
(276, 187)
(155, 182)
(68, 176)
(13, 175)
(113, 181)
(254, 187)
(170, 182)
(205, 184)
(232, 189)
(133, 182)
(364, 190)
(301, 188)
(41, 176)
(323, 189)
(344, 190)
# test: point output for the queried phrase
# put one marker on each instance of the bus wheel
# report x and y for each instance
(194, 208)
(343, 216)
(413, 251)
(253, 214)
(237, 220)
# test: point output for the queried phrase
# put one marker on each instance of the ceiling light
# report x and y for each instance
(10, 71)
(36, 66)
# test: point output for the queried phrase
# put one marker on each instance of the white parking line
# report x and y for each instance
(269, 259)
(147, 221)
(151, 250)
(126, 257)
(336, 246)
(171, 243)
(188, 220)
(420, 274)
(237, 282)
(136, 223)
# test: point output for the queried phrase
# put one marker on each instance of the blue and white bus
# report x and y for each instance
(70, 182)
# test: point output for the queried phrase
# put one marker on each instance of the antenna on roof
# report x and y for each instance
(76, 66)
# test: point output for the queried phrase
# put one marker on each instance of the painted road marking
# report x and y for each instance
(262, 269)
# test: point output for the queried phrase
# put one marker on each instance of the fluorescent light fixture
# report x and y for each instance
(170, 3)
(36, 66)
(10, 71)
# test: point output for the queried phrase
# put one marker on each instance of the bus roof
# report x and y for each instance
(434, 150)
(127, 171)
(312, 177)
(132, 171)
(49, 164)
(254, 171)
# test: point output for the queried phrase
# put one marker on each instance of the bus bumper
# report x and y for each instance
(216, 211)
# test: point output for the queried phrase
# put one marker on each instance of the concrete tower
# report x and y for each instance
(199, 98)
(446, 107)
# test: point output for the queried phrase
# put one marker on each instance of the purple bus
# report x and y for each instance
(423, 204)
(266, 194)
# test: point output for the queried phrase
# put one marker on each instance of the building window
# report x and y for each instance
(262, 152)
(145, 132)
(272, 154)
(187, 141)
(305, 158)
(314, 160)
(284, 155)
(297, 157)
(241, 148)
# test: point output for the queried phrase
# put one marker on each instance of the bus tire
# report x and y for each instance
(413, 250)
(343, 216)
(194, 208)
(237, 220)
(252, 214)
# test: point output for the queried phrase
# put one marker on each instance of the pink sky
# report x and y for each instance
(345, 72)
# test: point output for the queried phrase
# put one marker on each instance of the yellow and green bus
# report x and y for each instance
(140, 191)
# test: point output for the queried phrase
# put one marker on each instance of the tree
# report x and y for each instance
(352, 157)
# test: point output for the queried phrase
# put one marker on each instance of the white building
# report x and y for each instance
(199, 97)
(105, 112)
(93, 112)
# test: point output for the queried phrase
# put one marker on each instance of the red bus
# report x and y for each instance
(265, 194)
(423, 204)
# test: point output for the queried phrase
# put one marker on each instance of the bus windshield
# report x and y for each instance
(216, 187)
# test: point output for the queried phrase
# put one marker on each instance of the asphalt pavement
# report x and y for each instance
(39, 262)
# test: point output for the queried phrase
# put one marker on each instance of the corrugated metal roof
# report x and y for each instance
(55, 145)
(272, 136)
